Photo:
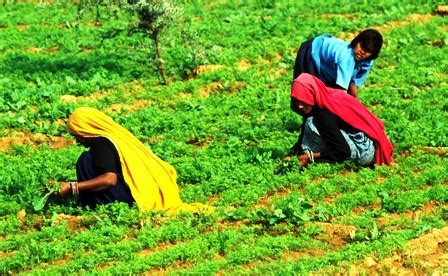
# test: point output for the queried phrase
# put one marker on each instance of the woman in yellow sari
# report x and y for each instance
(118, 167)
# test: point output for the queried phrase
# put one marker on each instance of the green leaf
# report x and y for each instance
(374, 232)
(39, 203)
(21, 120)
(70, 80)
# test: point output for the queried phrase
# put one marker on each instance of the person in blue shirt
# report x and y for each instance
(337, 63)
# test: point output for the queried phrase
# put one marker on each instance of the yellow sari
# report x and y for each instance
(151, 180)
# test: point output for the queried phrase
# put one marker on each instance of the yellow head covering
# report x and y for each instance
(151, 180)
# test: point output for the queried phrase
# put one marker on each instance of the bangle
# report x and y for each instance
(74, 187)
(310, 155)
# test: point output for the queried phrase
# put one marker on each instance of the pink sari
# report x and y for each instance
(311, 90)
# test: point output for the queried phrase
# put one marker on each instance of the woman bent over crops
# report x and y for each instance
(119, 168)
(336, 126)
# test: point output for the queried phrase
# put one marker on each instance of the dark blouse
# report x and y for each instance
(105, 157)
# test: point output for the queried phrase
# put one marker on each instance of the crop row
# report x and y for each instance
(222, 248)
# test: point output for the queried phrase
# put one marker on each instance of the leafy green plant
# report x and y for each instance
(366, 234)
(52, 188)
(292, 210)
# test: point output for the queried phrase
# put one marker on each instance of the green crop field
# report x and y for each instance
(223, 121)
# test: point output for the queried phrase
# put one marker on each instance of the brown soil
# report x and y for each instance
(165, 271)
(184, 95)
(94, 97)
(440, 151)
(21, 216)
(121, 107)
(243, 65)
(207, 69)
(361, 209)
(130, 90)
(331, 198)
(73, 222)
(424, 255)
(333, 234)
(4, 255)
(266, 200)
(28, 138)
(53, 50)
(207, 90)
(391, 218)
(212, 199)
(237, 86)
(202, 69)
(275, 58)
(94, 24)
(203, 143)
(33, 50)
(336, 235)
(212, 4)
(413, 18)
(159, 247)
(441, 10)
(349, 17)
(22, 27)
(307, 253)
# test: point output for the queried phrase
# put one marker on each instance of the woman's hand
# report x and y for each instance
(304, 160)
(65, 189)
(308, 157)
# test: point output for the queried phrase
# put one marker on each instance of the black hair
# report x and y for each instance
(370, 40)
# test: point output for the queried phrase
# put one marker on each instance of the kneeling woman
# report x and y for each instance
(336, 126)
(119, 168)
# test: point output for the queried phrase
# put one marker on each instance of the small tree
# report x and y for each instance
(153, 17)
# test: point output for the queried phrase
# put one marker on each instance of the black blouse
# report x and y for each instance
(105, 157)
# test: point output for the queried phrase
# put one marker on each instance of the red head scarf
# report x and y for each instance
(311, 90)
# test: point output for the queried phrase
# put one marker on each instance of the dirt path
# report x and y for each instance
(427, 254)
(28, 138)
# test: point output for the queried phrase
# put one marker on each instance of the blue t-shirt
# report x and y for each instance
(336, 64)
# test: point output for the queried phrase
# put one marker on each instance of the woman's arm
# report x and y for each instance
(353, 90)
(98, 183)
